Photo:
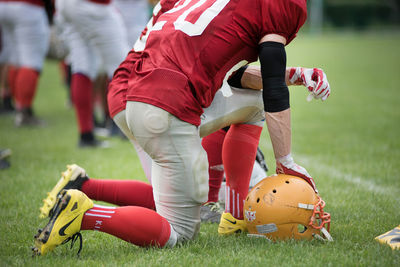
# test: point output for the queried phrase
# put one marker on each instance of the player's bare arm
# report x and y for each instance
(276, 105)
(314, 79)
(276, 97)
(251, 78)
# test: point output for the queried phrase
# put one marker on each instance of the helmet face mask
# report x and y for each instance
(285, 207)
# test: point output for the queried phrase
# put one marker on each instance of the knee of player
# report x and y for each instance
(182, 235)
(256, 116)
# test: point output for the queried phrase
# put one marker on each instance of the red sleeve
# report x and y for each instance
(283, 17)
(256, 18)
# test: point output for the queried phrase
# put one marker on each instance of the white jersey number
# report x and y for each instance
(191, 29)
(197, 28)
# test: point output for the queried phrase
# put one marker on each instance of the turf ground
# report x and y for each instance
(350, 144)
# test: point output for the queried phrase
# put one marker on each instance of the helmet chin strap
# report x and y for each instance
(326, 234)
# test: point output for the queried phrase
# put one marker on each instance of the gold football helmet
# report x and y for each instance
(286, 207)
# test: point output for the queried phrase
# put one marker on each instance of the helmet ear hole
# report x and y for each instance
(301, 228)
(258, 199)
(287, 182)
(274, 191)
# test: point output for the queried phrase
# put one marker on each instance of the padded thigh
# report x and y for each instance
(145, 160)
(180, 166)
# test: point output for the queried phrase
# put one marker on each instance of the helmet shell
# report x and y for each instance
(281, 207)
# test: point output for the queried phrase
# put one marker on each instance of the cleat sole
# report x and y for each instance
(48, 203)
(43, 235)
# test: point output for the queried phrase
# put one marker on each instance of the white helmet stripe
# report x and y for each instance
(306, 206)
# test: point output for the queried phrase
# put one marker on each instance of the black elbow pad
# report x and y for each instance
(236, 78)
(273, 68)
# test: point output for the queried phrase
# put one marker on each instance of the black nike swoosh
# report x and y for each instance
(230, 221)
(62, 229)
(395, 240)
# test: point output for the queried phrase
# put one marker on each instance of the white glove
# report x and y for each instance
(314, 79)
(286, 165)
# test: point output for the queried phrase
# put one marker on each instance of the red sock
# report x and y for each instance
(212, 144)
(238, 154)
(11, 75)
(120, 192)
(63, 67)
(137, 225)
(81, 91)
(25, 86)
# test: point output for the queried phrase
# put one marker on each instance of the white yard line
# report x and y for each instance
(360, 182)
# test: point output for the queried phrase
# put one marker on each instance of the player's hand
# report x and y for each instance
(286, 165)
(314, 80)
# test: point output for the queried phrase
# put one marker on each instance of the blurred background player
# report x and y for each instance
(135, 14)
(6, 95)
(96, 38)
(25, 35)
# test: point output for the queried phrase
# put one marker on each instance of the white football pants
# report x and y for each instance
(135, 14)
(180, 167)
(24, 34)
(243, 106)
(95, 35)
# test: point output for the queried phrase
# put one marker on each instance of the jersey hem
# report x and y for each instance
(188, 117)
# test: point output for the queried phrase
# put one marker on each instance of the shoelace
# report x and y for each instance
(73, 240)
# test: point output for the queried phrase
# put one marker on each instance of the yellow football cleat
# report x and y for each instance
(72, 178)
(229, 225)
(65, 222)
(391, 238)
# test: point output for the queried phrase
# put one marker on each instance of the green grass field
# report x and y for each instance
(350, 144)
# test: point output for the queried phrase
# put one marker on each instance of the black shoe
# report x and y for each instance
(4, 164)
(7, 106)
(260, 159)
(94, 143)
(25, 117)
(88, 140)
(5, 153)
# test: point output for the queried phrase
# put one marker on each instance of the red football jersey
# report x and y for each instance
(192, 47)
